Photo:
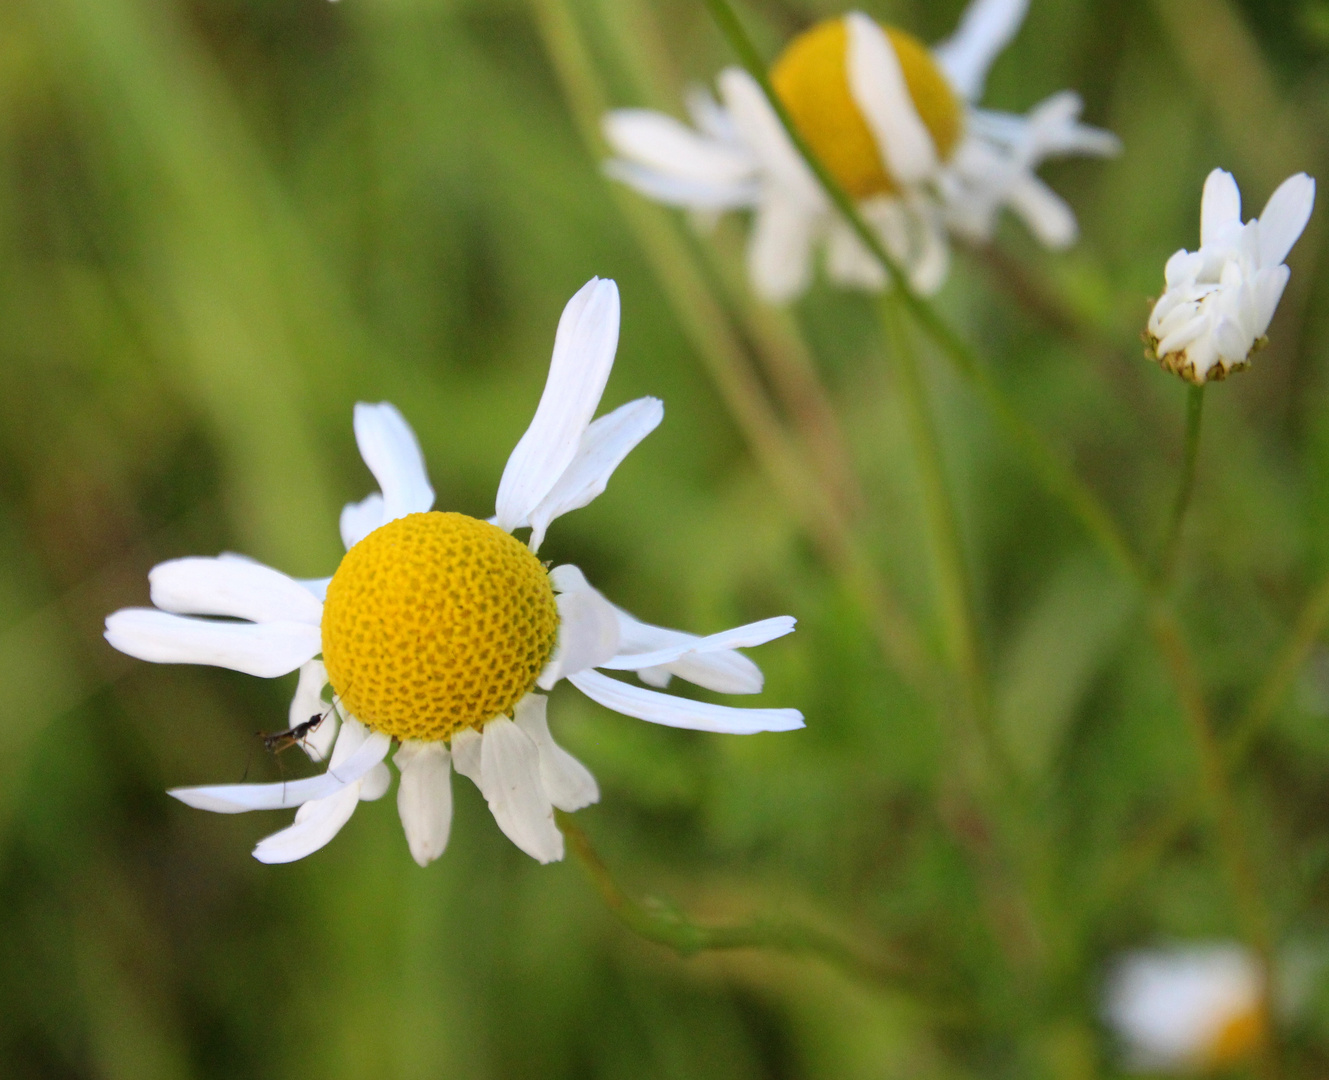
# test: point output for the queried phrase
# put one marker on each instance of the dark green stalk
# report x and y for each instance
(1185, 489)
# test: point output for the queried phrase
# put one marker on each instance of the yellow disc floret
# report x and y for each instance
(1238, 1038)
(437, 622)
(812, 79)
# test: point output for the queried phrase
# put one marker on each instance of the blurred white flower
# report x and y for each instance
(437, 628)
(1219, 300)
(894, 123)
(1188, 1009)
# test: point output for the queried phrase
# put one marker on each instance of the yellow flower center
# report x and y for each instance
(1237, 1039)
(811, 76)
(437, 622)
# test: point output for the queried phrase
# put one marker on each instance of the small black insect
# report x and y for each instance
(274, 742)
(277, 742)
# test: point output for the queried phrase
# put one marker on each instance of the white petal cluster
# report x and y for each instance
(1171, 1007)
(1220, 300)
(562, 462)
(738, 156)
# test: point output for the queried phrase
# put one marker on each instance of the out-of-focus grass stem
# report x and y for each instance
(711, 334)
(1310, 624)
(1186, 488)
(954, 585)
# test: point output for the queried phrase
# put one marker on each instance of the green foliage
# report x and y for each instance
(222, 222)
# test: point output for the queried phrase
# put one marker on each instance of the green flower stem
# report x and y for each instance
(711, 333)
(1185, 489)
(677, 931)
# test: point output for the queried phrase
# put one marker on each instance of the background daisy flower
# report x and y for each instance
(437, 629)
(1186, 1009)
(896, 124)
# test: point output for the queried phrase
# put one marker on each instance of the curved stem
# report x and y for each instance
(677, 931)
(1172, 543)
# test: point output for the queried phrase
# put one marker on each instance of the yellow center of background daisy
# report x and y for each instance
(811, 77)
(436, 622)
(1238, 1038)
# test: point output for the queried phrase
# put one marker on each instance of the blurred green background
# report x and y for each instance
(222, 222)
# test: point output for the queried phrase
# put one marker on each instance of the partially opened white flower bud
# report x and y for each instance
(1220, 300)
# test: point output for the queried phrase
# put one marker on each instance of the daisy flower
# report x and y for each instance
(437, 629)
(1219, 300)
(1188, 1009)
(898, 127)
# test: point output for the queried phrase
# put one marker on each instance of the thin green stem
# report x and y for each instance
(677, 931)
(1185, 489)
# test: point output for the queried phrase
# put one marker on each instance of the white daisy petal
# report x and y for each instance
(1047, 214)
(723, 672)
(264, 649)
(986, 28)
(375, 783)
(235, 587)
(603, 446)
(1284, 217)
(510, 780)
(682, 191)
(584, 350)
(877, 83)
(780, 248)
(657, 708)
(309, 702)
(568, 783)
(358, 520)
(742, 637)
(392, 452)
(239, 798)
(466, 755)
(587, 635)
(666, 145)
(316, 823)
(1220, 207)
(424, 798)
